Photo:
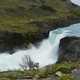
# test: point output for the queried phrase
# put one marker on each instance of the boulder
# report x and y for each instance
(59, 73)
(69, 49)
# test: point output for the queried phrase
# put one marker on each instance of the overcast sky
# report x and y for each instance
(76, 2)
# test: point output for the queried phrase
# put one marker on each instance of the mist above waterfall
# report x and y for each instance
(45, 54)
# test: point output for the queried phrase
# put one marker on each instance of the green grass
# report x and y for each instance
(49, 70)
(66, 77)
(22, 12)
(65, 68)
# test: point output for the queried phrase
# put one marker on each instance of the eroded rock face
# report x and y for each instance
(69, 49)
(11, 41)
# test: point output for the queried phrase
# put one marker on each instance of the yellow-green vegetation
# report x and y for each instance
(12, 75)
(65, 68)
(42, 73)
(66, 77)
(17, 15)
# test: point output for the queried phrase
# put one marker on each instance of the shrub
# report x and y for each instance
(28, 63)
(42, 74)
(64, 68)
(31, 72)
(66, 77)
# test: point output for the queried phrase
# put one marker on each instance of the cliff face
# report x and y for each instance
(69, 49)
(29, 21)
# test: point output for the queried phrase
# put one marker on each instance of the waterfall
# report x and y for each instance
(45, 54)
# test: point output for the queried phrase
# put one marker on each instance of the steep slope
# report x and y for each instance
(29, 21)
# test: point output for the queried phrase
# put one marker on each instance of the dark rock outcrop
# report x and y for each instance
(69, 49)
(9, 41)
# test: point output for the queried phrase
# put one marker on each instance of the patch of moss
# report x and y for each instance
(66, 77)
(64, 68)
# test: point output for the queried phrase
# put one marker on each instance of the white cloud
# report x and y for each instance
(76, 2)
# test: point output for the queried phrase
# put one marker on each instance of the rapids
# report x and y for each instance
(46, 53)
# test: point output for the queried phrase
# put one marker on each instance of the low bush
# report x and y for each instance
(66, 77)
(64, 68)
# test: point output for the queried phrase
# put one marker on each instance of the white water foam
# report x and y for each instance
(46, 53)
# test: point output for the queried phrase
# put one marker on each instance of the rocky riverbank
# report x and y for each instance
(69, 49)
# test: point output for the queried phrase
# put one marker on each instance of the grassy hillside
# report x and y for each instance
(29, 21)
(19, 15)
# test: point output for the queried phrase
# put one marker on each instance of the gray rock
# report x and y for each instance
(76, 74)
(59, 73)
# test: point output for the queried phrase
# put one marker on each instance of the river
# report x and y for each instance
(46, 53)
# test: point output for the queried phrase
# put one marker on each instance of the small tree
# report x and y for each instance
(27, 62)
